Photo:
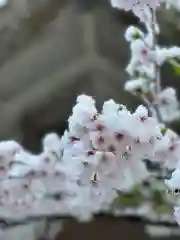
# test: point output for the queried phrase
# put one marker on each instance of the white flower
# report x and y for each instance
(19, 170)
(136, 85)
(167, 96)
(83, 113)
(52, 145)
(110, 107)
(142, 52)
(163, 54)
(174, 182)
(141, 112)
(168, 105)
(37, 189)
(167, 149)
(130, 4)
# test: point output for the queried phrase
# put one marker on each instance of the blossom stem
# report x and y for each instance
(156, 67)
(157, 75)
(159, 117)
(148, 105)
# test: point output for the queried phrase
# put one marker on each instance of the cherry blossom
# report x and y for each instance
(129, 4)
(99, 154)
(147, 57)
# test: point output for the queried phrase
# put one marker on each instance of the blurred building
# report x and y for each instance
(51, 52)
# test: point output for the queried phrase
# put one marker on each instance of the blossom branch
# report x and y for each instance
(154, 43)
(157, 76)
(101, 153)
(146, 59)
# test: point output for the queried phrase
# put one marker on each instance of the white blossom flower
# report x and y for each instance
(168, 149)
(140, 84)
(52, 145)
(164, 54)
(129, 4)
(168, 105)
(174, 182)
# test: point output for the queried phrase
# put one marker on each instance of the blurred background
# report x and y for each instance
(50, 52)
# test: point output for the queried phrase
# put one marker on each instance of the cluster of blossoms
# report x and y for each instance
(81, 173)
(144, 67)
(140, 8)
(147, 57)
(131, 4)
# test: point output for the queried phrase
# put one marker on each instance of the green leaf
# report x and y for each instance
(162, 209)
(131, 199)
(176, 66)
(163, 131)
(176, 70)
(136, 36)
